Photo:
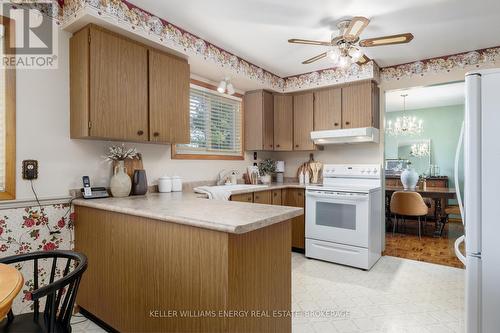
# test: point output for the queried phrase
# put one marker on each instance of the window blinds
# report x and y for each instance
(215, 124)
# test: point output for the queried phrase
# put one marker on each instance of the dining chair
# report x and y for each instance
(408, 204)
(450, 210)
(59, 295)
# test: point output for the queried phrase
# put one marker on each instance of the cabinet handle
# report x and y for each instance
(296, 146)
(275, 194)
(278, 146)
(270, 146)
(156, 134)
(300, 194)
(336, 124)
(140, 132)
(347, 123)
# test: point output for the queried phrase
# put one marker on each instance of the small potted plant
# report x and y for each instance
(121, 183)
(266, 168)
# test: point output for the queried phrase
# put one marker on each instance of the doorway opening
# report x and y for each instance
(422, 130)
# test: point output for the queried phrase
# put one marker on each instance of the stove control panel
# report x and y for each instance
(351, 171)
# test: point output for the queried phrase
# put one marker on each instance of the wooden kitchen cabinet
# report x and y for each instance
(276, 199)
(118, 84)
(168, 98)
(295, 197)
(123, 90)
(328, 109)
(244, 197)
(263, 197)
(360, 105)
(303, 121)
(283, 122)
(259, 120)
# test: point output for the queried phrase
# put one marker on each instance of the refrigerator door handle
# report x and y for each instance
(456, 179)
(458, 253)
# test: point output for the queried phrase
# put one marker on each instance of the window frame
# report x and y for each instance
(10, 117)
(241, 156)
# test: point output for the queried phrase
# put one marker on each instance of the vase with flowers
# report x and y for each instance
(120, 184)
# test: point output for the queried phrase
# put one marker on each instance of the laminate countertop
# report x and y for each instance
(192, 209)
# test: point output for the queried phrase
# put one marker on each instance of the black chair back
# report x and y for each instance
(60, 294)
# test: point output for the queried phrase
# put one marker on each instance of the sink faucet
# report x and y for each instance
(221, 177)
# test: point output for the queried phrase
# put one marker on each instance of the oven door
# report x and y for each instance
(337, 217)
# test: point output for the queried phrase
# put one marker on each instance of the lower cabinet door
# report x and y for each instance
(245, 197)
(296, 198)
(276, 199)
(262, 197)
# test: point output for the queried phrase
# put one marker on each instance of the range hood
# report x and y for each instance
(347, 135)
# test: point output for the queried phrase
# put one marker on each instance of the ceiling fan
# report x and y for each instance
(347, 48)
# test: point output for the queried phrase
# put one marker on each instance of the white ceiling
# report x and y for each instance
(426, 97)
(258, 30)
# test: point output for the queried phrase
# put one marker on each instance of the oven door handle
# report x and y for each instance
(358, 197)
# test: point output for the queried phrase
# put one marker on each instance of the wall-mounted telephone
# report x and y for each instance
(89, 192)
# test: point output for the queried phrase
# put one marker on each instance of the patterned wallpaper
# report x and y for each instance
(25, 230)
(467, 60)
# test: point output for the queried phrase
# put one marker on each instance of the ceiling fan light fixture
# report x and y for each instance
(222, 86)
(356, 54)
(344, 61)
(334, 54)
(230, 88)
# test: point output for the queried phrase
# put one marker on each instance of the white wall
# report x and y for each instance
(43, 134)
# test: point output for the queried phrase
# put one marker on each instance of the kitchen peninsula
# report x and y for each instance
(180, 263)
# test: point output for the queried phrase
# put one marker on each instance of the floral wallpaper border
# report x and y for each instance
(467, 60)
(331, 76)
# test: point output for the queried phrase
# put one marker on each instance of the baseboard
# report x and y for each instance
(97, 321)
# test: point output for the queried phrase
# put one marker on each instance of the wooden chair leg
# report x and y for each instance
(394, 222)
(419, 228)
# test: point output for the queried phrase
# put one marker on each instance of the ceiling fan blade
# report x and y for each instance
(308, 42)
(355, 28)
(313, 59)
(387, 40)
(364, 59)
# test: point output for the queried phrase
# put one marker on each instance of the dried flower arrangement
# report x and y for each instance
(121, 153)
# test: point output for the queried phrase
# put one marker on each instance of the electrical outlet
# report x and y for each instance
(30, 169)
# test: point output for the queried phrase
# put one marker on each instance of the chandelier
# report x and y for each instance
(404, 125)
(420, 150)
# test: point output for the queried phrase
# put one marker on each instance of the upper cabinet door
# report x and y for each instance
(303, 121)
(360, 105)
(118, 87)
(283, 122)
(328, 109)
(268, 115)
(168, 98)
(259, 120)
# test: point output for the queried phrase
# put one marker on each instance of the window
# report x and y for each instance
(215, 126)
(7, 120)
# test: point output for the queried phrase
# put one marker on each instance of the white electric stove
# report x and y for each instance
(343, 215)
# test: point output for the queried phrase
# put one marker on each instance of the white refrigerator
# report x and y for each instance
(481, 202)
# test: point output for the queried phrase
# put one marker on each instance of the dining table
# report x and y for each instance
(440, 196)
(11, 282)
